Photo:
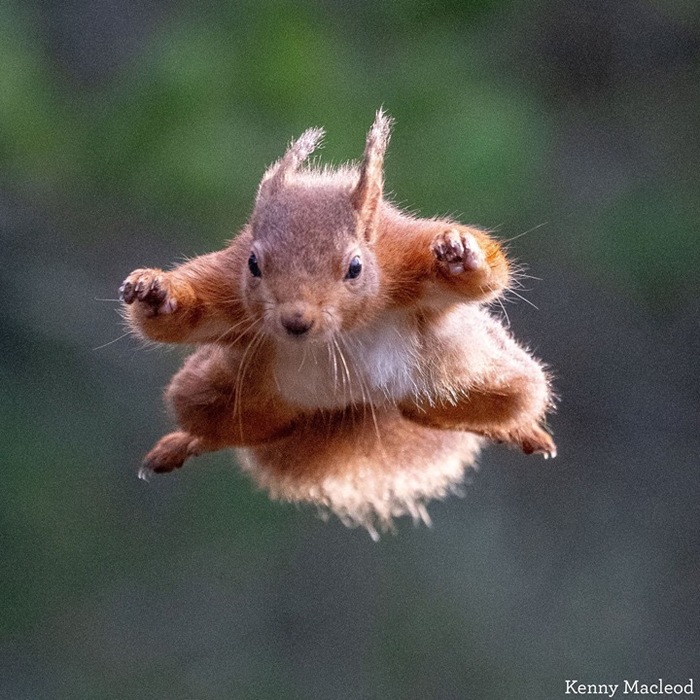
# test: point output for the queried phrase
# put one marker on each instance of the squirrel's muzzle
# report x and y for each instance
(296, 323)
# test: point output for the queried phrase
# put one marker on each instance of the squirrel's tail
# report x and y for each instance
(366, 465)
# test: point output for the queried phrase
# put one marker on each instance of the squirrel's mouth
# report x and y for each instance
(315, 335)
(297, 326)
(300, 322)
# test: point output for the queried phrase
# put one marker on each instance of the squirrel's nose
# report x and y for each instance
(296, 323)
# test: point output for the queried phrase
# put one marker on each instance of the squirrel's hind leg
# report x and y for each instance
(219, 404)
(498, 413)
(485, 383)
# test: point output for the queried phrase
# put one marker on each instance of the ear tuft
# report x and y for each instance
(381, 131)
(297, 152)
(305, 145)
(368, 192)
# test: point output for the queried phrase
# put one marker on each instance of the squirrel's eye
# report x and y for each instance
(354, 268)
(253, 266)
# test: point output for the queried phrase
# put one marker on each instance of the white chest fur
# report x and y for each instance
(373, 364)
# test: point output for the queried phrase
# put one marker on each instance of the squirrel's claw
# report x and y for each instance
(158, 464)
(532, 441)
(540, 442)
(169, 454)
(458, 251)
(145, 473)
(147, 287)
(126, 292)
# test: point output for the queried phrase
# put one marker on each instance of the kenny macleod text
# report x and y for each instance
(636, 687)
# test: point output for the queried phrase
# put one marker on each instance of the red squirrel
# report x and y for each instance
(344, 346)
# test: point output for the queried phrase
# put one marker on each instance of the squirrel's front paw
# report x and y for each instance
(150, 289)
(458, 251)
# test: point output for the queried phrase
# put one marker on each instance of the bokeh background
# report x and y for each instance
(134, 133)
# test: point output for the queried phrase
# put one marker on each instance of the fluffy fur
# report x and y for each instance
(345, 346)
(377, 466)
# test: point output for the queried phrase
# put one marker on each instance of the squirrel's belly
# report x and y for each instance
(373, 365)
(315, 376)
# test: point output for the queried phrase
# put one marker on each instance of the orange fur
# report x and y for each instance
(344, 344)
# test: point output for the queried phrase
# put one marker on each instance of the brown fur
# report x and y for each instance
(366, 469)
(361, 393)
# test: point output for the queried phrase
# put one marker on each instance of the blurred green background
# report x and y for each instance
(134, 133)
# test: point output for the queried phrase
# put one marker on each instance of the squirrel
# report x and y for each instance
(345, 347)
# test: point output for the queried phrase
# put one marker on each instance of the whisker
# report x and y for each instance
(359, 375)
(303, 357)
(520, 296)
(505, 313)
(254, 346)
(349, 382)
(332, 360)
(367, 401)
(123, 335)
(233, 328)
(237, 393)
(346, 368)
(524, 233)
(332, 354)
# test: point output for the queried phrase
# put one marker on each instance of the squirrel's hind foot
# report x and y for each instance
(170, 453)
(537, 441)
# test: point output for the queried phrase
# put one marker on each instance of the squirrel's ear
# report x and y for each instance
(368, 192)
(296, 154)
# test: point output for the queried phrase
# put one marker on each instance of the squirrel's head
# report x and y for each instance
(312, 271)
